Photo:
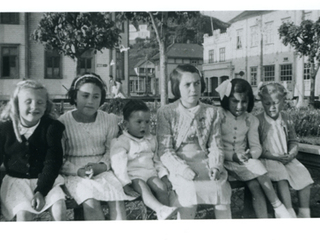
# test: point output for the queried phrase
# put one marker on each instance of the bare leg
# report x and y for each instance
(59, 211)
(92, 210)
(160, 190)
(304, 198)
(285, 196)
(222, 211)
(187, 212)
(268, 189)
(148, 198)
(284, 193)
(258, 199)
(117, 210)
(24, 216)
(280, 210)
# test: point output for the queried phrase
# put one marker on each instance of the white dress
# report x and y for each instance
(274, 135)
(136, 158)
(90, 143)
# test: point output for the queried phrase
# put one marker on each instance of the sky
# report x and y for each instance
(224, 16)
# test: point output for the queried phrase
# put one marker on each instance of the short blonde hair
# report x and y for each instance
(11, 110)
(271, 88)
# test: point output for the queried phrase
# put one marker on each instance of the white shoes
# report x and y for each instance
(282, 212)
(166, 212)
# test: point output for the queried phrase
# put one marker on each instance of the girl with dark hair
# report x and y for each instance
(87, 139)
(239, 131)
(190, 147)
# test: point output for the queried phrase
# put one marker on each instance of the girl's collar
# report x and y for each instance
(148, 137)
(75, 119)
(230, 115)
(271, 120)
(192, 110)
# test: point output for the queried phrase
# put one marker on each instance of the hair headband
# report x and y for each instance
(224, 89)
(88, 76)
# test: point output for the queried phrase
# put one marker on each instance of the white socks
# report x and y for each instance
(304, 213)
(281, 212)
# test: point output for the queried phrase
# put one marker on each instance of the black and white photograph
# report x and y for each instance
(162, 121)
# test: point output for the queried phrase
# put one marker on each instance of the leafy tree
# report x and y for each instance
(163, 23)
(74, 33)
(305, 39)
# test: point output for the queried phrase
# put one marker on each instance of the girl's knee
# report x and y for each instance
(24, 216)
(253, 185)
(91, 203)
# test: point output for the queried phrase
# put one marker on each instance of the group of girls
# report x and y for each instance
(197, 150)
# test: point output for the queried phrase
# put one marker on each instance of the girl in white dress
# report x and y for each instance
(280, 148)
(239, 131)
(86, 142)
(190, 147)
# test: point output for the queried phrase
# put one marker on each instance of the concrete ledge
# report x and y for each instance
(307, 148)
(309, 155)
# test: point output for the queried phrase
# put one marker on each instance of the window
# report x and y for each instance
(120, 64)
(9, 62)
(211, 56)
(239, 38)
(306, 71)
(286, 72)
(9, 18)
(254, 36)
(269, 33)
(194, 62)
(85, 65)
(86, 62)
(253, 75)
(268, 73)
(52, 65)
(222, 54)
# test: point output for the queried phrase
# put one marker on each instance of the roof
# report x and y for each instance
(183, 50)
(247, 14)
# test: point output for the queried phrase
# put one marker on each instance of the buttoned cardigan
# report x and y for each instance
(39, 156)
(173, 123)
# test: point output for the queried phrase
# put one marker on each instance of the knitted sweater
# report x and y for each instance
(38, 157)
(173, 124)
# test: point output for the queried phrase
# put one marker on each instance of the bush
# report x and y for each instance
(306, 121)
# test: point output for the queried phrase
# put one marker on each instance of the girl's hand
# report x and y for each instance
(189, 174)
(167, 182)
(85, 172)
(239, 158)
(97, 168)
(214, 174)
(38, 201)
(286, 158)
(129, 191)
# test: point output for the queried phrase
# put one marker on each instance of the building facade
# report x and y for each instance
(23, 58)
(251, 49)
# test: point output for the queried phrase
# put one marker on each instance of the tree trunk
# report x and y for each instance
(301, 102)
(76, 60)
(312, 84)
(163, 74)
(300, 91)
